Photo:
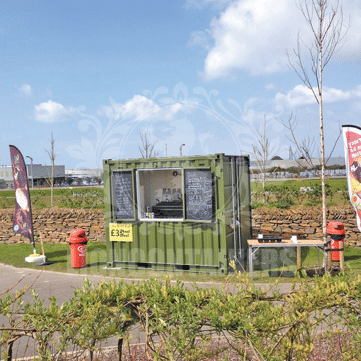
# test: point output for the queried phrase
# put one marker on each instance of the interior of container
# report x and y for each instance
(160, 194)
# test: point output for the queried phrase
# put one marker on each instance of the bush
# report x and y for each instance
(257, 205)
(179, 322)
(283, 204)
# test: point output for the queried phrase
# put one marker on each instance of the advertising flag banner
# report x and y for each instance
(23, 223)
(352, 145)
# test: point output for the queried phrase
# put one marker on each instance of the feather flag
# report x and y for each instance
(23, 223)
(352, 145)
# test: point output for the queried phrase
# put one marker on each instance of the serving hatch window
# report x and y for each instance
(160, 194)
(175, 194)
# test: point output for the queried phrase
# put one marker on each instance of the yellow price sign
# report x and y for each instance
(120, 232)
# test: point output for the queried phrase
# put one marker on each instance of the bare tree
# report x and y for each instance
(147, 149)
(326, 22)
(262, 153)
(304, 149)
(52, 156)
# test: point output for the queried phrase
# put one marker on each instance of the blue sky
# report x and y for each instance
(204, 73)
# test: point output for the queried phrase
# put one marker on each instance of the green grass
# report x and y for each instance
(77, 197)
(333, 182)
(283, 194)
(15, 254)
(311, 258)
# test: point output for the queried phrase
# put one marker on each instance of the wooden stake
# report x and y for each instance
(342, 256)
(329, 260)
(299, 258)
(42, 245)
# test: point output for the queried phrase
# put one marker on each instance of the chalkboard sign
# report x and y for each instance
(198, 195)
(122, 195)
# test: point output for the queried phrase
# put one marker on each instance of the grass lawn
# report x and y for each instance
(77, 197)
(15, 254)
(311, 258)
(335, 183)
(286, 193)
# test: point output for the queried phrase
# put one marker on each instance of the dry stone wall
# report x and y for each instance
(305, 222)
(54, 224)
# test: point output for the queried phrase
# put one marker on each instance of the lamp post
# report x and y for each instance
(31, 169)
(180, 149)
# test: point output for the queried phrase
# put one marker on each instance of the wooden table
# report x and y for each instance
(254, 245)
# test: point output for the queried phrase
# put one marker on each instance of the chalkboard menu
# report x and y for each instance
(199, 195)
(122, 187)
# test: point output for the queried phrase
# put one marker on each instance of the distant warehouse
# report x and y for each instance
(289, 168)
(36, 172)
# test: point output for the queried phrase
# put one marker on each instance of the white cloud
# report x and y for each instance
(300, 95)
(332, 95)
(142, 108)
(51, 112)
(254, 35)
(25, 90)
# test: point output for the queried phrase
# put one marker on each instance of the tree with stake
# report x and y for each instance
(326, 22)
(52, 156)
(262, 153)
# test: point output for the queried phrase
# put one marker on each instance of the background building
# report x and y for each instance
(289, 168)
(36, 172)
(84, 176)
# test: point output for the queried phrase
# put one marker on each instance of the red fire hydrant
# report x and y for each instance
(336, 231)
(78, 243)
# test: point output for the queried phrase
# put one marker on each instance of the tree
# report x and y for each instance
(52, 156)
(326, 22)
(147, 149)
(69, 180)
(305, 148)
(262, 153)
(96, 176)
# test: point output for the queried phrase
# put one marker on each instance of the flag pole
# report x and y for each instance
(23, 222)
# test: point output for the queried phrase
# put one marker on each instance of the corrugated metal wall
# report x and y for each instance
(187, 245)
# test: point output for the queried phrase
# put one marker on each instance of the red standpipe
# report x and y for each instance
(78, 241)
(336, 230)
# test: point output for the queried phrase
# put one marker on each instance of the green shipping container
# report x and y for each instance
(181, 213)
